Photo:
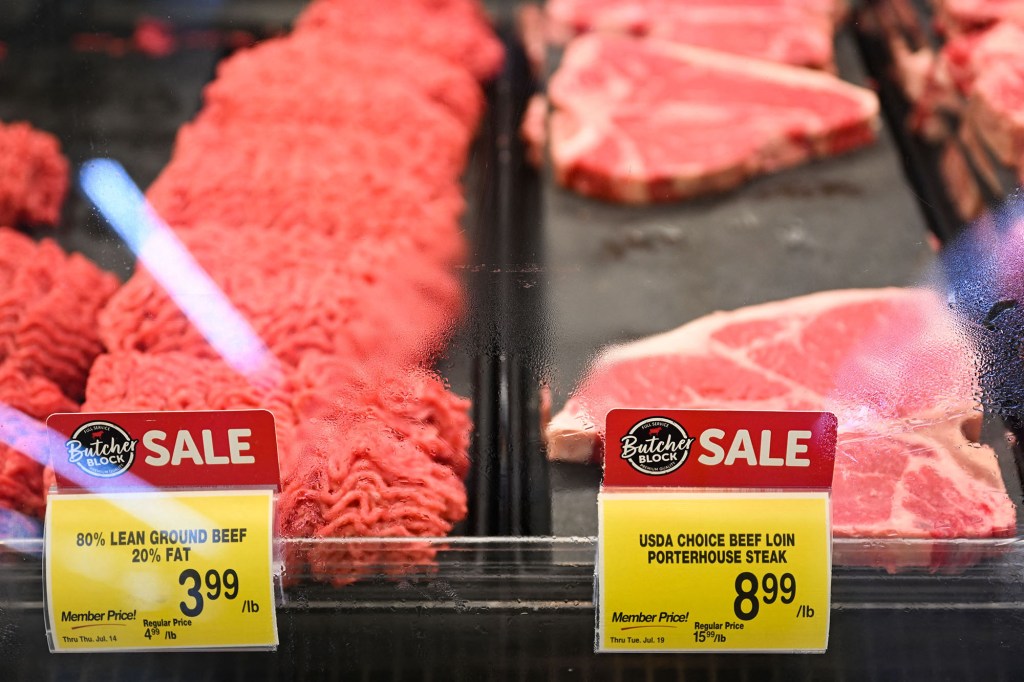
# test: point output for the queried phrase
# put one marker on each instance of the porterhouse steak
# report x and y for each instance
(890, 363)
(639, 120)
(798, 32)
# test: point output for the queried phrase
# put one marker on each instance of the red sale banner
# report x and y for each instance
(719, 449)
(142, 450)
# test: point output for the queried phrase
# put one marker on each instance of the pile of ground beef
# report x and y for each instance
(49, 337)
(366, 450)
(302, 294)
(319, 189)
(49, 302)
(33, 176)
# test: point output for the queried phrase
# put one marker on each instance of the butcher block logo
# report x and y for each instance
(102, 449)
(656, 446)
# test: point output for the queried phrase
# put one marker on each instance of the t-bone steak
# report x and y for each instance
(798, 32)
(639, 120)
(890, 363)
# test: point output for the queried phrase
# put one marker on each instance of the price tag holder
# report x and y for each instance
(137, 557)
(714, 532)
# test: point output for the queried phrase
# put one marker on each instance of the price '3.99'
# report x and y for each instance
(746, 605)
(217, 585)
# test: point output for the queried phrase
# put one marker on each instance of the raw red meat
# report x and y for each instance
(386, 458)
(33, 176)
(49, 302)
(966, 56)
(457, 30)
(889, 363)
(312, 178)
(385, 107)
(995, 110)
(21, 477)
(385, 115)
(988, 68)
(154, 38)
(946, 81)
(962, 16)
(364, 452)
(366, 299)
(319, 189)
(797, 32)
(640, 120)
(322, 70)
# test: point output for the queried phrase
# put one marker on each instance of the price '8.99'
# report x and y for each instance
(217, 584)
(746, 605)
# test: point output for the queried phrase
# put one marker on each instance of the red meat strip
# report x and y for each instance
(33, 176)
(368, 299)
(154, 38)
(316, 71)
(312, 178)
(640, 120)
(797, 32)
(890, 363)
(49, 302)
(457, 30)
(363, 452)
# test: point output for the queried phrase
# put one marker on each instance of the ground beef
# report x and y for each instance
(33, 176)
(370, 300)
(454, 29)
(317, 68)
(363, 452)
(385, 113)
(305, 179)
(21, 483)
(319, 187)
(21, 476)
(49, 302)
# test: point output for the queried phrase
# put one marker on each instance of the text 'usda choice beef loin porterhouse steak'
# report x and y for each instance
(890, 363)
(639, 120)
(795, 32)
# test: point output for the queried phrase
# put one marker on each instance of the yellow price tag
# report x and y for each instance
(709, 571)
(160, 570)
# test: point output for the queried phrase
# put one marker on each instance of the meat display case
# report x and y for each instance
(511, 592)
